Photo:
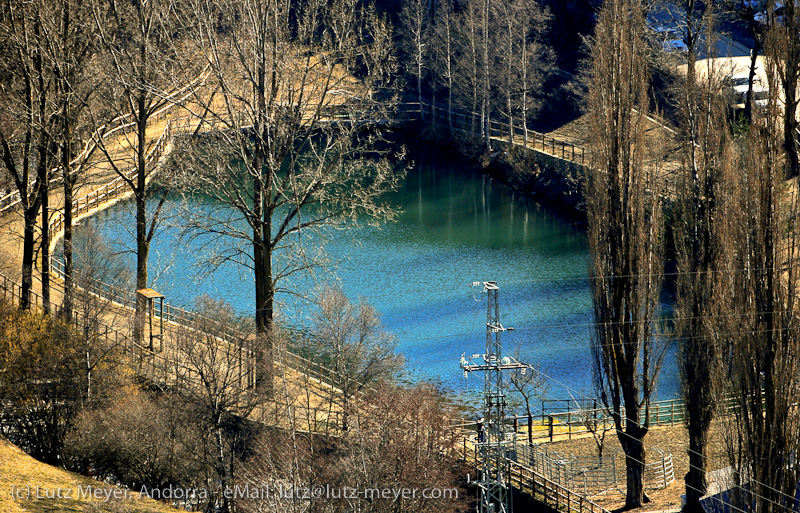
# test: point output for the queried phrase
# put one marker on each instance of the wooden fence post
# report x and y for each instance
(569, 424)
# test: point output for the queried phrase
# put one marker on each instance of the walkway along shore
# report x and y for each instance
(303, 396)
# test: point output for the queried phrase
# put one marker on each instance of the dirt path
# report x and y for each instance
(658, 136)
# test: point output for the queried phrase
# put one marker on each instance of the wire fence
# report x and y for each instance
(530, 480)
(593, 475)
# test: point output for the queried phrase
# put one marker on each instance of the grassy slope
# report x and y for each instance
(23, 474)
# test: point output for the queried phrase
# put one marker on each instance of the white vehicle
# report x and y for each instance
(739, 85)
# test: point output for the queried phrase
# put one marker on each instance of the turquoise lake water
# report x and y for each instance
(457, 227)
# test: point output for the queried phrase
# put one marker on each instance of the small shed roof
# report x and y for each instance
(150, 293)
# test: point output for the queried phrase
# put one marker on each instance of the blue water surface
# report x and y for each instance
(456, 227)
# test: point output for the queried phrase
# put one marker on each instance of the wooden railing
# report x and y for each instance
(120, 127)
(466, 122)
(469, 124)
(165, 365)
(108, 191)
(540, 488)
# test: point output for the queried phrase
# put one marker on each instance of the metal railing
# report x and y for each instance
(552, 494)
(592, 475)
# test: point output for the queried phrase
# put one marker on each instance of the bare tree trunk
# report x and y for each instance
(44, 247)
(625, 233)
(697, 247)
(69, 262)
(751, 75)
(28, 242)
(140, 200)
(448, 28)
(783, 49)
(525, 92)
(764, 376)
(632, 441)
(265, 298)
(487, 130)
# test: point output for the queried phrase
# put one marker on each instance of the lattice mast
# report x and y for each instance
(493, 444)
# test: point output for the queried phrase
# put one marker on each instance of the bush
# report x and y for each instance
(42, 382)
(138, 441)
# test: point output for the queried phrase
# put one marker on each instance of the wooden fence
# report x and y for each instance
(172, 314)
(111, 190)
(542, 489)
(469, 123)
(167, 366)
(576, 422)
(116, 127)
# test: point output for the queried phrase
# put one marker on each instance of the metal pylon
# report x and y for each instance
(494, 442)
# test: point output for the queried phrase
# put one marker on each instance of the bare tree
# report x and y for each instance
(71, 51)
(27, 127)
(525, 60)
(216, 389)
(468, 62)
(782, 48)
(94, 313)
(762, 347)
(415, 20)
(292, 147)
(702, 110)
(398, 444)
(350, 340)
(403, 447)
(486, 104)
(625, 233)
(528, 386)
(140, 60)
(750, 14)
(595, 422)
(444, 34)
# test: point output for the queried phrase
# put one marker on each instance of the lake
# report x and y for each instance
(457, 227)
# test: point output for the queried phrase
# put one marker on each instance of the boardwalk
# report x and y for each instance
(302, 397)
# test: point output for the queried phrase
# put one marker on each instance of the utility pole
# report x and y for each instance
(493, 444)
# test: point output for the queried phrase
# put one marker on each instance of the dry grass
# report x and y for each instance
(674, 439)
(27, 485)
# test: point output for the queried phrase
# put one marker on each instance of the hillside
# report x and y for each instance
(27, 485)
